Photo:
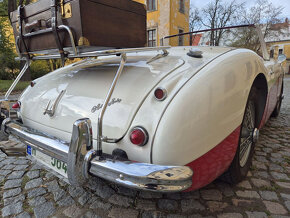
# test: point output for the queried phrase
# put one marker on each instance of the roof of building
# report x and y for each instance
(282, 32)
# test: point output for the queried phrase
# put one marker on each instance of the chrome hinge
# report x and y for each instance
(50, 111)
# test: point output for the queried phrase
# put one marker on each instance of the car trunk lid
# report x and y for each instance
(79, 91)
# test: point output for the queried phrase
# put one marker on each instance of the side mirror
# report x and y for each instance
(282, 58)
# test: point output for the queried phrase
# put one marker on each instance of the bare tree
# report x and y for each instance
(194, 22)
(194, 19)
(263, 13)
(217, 15)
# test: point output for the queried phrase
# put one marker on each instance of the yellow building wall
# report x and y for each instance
(167, 20)
(179, 21)
(286, 51)
(276, 46)
(153, 21)
(141, 1)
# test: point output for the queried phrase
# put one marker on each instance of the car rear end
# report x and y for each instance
(59, 122)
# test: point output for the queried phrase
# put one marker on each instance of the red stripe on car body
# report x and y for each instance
(215, 162)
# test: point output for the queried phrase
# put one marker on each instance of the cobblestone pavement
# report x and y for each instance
(28, 190)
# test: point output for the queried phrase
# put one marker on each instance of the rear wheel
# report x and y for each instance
(248, 136)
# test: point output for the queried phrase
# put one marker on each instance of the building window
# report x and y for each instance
(151, 5)
(180, 38)
(280, 51)
(151, 35)
(272, 53)
(181, 6)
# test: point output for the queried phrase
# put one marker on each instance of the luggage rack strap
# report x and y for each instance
(21, 37)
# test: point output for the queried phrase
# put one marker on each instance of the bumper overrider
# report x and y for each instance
(83, 163)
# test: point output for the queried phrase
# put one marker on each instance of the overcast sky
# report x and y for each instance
(249, 3)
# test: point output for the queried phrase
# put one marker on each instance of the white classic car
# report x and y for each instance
(171, 118)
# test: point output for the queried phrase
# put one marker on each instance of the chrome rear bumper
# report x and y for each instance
(82, 161)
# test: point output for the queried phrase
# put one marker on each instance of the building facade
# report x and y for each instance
(280, 43)
(167, 17)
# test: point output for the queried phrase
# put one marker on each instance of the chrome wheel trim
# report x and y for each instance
(247, 131)
(256, 134)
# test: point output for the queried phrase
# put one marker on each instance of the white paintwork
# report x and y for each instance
(214, 108)
(205, 103)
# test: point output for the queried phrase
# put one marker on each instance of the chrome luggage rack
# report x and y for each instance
(119, 52)
(71, 53)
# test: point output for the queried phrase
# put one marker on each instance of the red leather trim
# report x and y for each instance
(212, 164)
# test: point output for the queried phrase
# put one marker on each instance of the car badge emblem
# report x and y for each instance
(99, 106)
(50, 109)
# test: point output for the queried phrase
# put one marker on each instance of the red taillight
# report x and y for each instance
(16, 105)
(139, 136)
(160, 94)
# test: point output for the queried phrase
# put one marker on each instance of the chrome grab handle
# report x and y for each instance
(71, 38)
(64, 27)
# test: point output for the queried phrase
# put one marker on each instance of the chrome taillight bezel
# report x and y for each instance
(144, 131)
(164, 94)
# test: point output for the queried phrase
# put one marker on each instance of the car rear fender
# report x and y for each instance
(207, 109)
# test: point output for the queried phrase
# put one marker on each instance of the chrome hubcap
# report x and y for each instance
(249, 134)
(256, 134)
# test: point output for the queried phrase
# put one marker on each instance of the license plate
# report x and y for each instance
(51, 162)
